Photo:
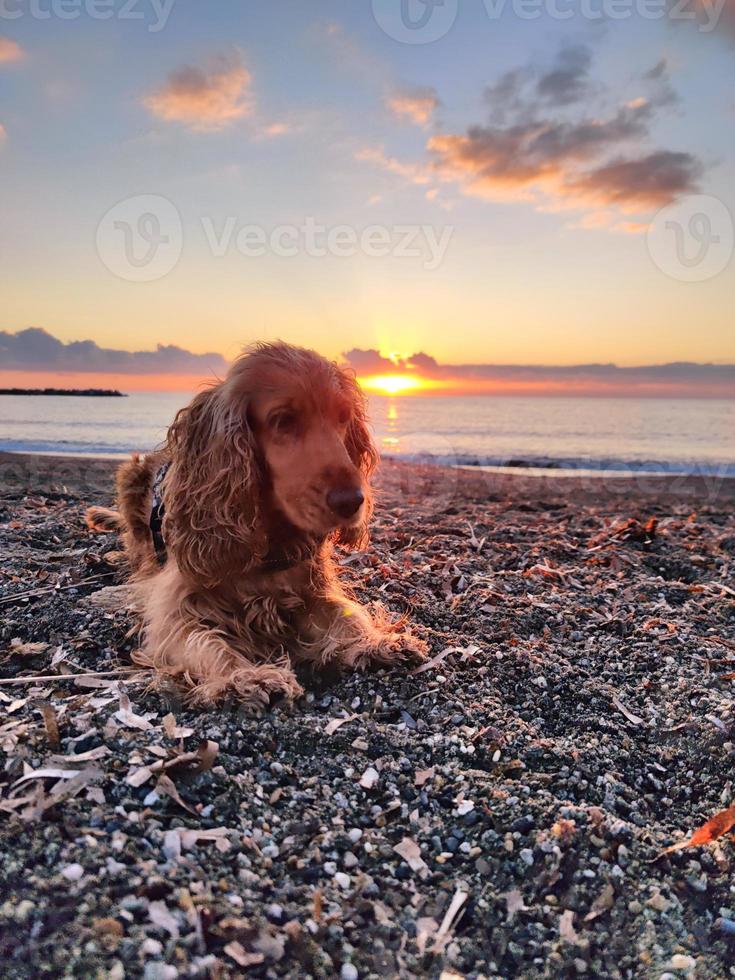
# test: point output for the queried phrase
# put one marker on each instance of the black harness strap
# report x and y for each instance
(157, 512)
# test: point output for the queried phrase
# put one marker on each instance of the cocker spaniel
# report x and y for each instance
(230, 528)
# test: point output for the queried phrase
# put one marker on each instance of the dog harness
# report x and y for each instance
(270, 563)
(157, 513)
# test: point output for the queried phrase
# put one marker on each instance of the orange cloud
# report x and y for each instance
(540, 159)
(541, 146)
(418, 106)
(10, 51)
(205, 100)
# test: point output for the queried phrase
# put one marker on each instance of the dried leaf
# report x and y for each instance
(26, 649)
(92, 755)
(410, 851)
(173, 730)
(567, 932)
(165, 785)
(220, 836)
(426, 927)
(48, 773)
(633, 719)
(436, 660)
(451, 917)
(336, 723)
(240, 955)
(129, 719)
(423, 776)
(514, 902)
(712, 830)
(198, 761)
(51, 724)
(601, 904)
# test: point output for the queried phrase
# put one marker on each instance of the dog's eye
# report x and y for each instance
(284, 423)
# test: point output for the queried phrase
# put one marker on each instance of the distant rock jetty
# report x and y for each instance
(78, 392)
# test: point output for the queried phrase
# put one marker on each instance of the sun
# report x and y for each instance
(394, 384)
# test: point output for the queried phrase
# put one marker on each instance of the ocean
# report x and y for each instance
(556, 435)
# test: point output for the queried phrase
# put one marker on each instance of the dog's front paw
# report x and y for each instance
(392, 650)
(411, 651)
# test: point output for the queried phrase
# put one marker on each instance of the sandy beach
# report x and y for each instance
(503, 811)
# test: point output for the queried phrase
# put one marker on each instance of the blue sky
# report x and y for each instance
(318, 112)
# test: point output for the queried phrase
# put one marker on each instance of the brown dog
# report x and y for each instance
(257, 479)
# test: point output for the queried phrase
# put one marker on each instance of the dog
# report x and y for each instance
(230, 527)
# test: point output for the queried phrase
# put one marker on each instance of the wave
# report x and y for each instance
(560, 465)
(580, 464)
(64, 447)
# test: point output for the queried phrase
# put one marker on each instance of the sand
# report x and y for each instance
(502, 812)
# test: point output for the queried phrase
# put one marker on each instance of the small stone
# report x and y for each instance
(342, 880)
(526, 855)
(523, 824)
(159, 971)
(354, 835)
(23, 910)
(679, 961)
(350, 860)
(151, 947)
(348, 972)
(73, 872)
(658, 902)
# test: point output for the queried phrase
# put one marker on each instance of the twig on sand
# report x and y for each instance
(37, 593)
(67, 677)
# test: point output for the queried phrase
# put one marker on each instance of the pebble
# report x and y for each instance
(342, 879)
(151, 947)
(156, 970)
(23, 911)
(526, 855)
(73, 872)
(348, 972)
(679, 961)
(354, 835)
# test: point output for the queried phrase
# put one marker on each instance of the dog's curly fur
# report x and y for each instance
(250, 584)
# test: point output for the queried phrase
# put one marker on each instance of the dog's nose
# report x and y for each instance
(346, 501)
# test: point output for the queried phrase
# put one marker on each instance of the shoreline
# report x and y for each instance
(91, 471)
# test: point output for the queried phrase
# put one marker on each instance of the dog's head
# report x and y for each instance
(281, 442)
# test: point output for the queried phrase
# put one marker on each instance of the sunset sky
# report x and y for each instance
(529, 157)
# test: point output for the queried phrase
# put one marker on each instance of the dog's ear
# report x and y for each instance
(361, 448)
(212, 490)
